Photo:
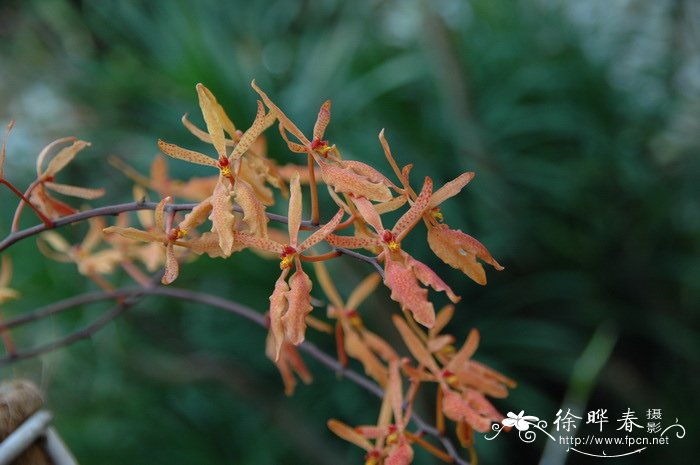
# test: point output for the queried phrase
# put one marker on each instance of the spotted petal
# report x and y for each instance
(299, 300)
(347, 181)
(460, 251)
(406, 290)
(222, 218)
(278, 308)
(253, 210)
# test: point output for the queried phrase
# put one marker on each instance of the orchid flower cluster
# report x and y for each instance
(230, 214)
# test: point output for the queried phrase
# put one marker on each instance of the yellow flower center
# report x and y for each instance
(177, 233)
(287, 261)
(372, 458)
(450, 377)
(287, 257)
(437, 214)
(226, 171)
(394, 246)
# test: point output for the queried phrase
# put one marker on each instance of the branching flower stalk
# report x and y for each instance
(228, 213)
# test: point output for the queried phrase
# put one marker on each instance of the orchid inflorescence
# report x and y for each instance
(234, 202)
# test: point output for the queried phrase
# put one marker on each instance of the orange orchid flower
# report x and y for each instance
(457, 249)
(352, 337)
(165, 234)
(459, 396)
(402, 272)
(229, 183)
(95, 264)
(38, 191)
(290, 303)
(392, 441)
(347, 176)
(288, 363)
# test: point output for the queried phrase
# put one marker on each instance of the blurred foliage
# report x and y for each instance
(581, 120)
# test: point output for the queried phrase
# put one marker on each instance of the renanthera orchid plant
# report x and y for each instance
(234, 202)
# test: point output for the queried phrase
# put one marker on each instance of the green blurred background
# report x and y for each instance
(581, 120)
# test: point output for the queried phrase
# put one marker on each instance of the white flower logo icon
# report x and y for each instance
(520, 421)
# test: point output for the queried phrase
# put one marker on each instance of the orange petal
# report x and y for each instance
(395, 392)
(203, 135)
(450, 189)
(367, 171)
(299, 300)
(197, 216)
(215, 128)
(256, 171)
(324, 117)
(429, 278)
(349, 182)
(438, 343)
(349, 434)
(326, 282)
(227, 124)
(253, 210)
(260, 243)
(406, 290)
(159, 213)
(363, 290)
(45, 152)
(292, 146)
(186, 155)
(352, 242)
(465, 353)
(172, 268)
(208, 243)
(222, 219)
(369, 214)
(401, 455)
(159, 175)
(64, 157)
(390, 206)
(460, 250)
(294, 215)
(379, 346)
(458, 409)
(443, 317)
(278, 308)
(135, 234)
(357, 349)
(414, 214)
(260, 124)
(322, 232)
(415, 346)
(74, 191)
(288, 362)
(284, 121)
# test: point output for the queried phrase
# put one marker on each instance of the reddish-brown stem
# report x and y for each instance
(346, 224)
(439, 416)
(429, 447)
(47, 222)
(320, 258)
(340, 344)
(315, 215)
(20, 207)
